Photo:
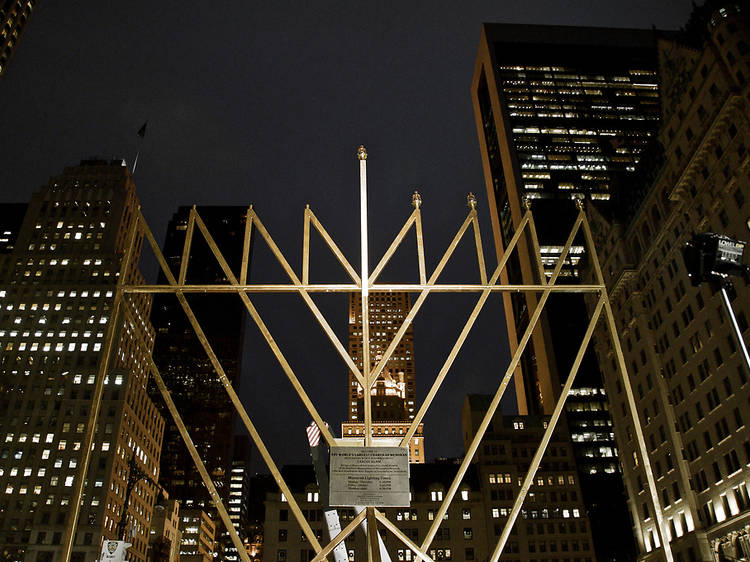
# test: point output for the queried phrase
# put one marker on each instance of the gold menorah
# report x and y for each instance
(362, 282)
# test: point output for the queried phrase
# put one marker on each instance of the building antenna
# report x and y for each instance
(141, 134)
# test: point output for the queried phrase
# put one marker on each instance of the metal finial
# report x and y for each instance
(362, 152)
(527, 203)
(416, 199)
(471, 199)
(579, 203)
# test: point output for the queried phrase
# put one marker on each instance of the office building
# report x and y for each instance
(14, 17)
(187, 371)
(55, 306)
(563, 113)
(165, 535)
(239, 493)
(553, 523)
(394, 393)
(684, 361)
(198, 533)
(462, 536)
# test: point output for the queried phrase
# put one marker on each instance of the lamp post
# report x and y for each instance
(716, 258)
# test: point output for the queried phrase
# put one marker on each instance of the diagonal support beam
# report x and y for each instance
(210, 486)
(548, 432)
(305, 297)
(622, 367)
(535, 245)
(463, 335)
(479, 247)
(393, 247)
(333, 247)
(186, 247)
(495, 403)
(373, 550)
(247, 239)
(348, 530)
(230, 391)
(388, 524)
(255, 315)
(421, 299)
(113, 330)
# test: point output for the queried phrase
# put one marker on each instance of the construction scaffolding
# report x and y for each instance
(362, 282)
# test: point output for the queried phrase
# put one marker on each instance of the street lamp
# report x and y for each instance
(715, 258)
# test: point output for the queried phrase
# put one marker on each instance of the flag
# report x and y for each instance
(313, 433)
(142, 130)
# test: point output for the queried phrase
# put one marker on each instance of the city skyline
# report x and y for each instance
(295, 83)
(670, 333)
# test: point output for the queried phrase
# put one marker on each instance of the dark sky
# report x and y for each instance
(266, 103)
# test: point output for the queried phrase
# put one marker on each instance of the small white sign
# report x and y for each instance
(372, 476)
(340, 553)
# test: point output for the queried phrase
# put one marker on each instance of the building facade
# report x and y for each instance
(553, 524)
(562, 114)
(187, 371)
(686, 369)
(239, 494)
(198, 535)
(165, 535)
(56, 298)
(14, 17)
(461, 537)
(394, 393)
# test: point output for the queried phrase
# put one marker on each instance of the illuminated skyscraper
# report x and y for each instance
(394, 393)
(187, 371)
(55, 305)
(562, 113)
(14, 16)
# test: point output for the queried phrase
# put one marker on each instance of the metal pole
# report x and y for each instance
(495, 403)
(640, 439)
(115, 321)
(737, 331)
(546, 437)
(365, 285)
(244, 417)
(199, 465)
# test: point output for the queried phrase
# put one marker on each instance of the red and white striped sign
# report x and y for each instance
(313, 434)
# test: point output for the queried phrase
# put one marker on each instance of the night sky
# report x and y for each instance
(266, 103)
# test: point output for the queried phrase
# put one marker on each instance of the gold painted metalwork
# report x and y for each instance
(364, 283)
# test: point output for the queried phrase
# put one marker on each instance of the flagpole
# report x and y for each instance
(142, 135)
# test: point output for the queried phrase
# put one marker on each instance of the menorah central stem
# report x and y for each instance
(366, 367)
(362, 155)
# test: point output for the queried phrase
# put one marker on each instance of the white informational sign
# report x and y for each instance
(374, 476)
(334, 528)
(114, 551)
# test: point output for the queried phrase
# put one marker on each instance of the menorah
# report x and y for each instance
(362, 282)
